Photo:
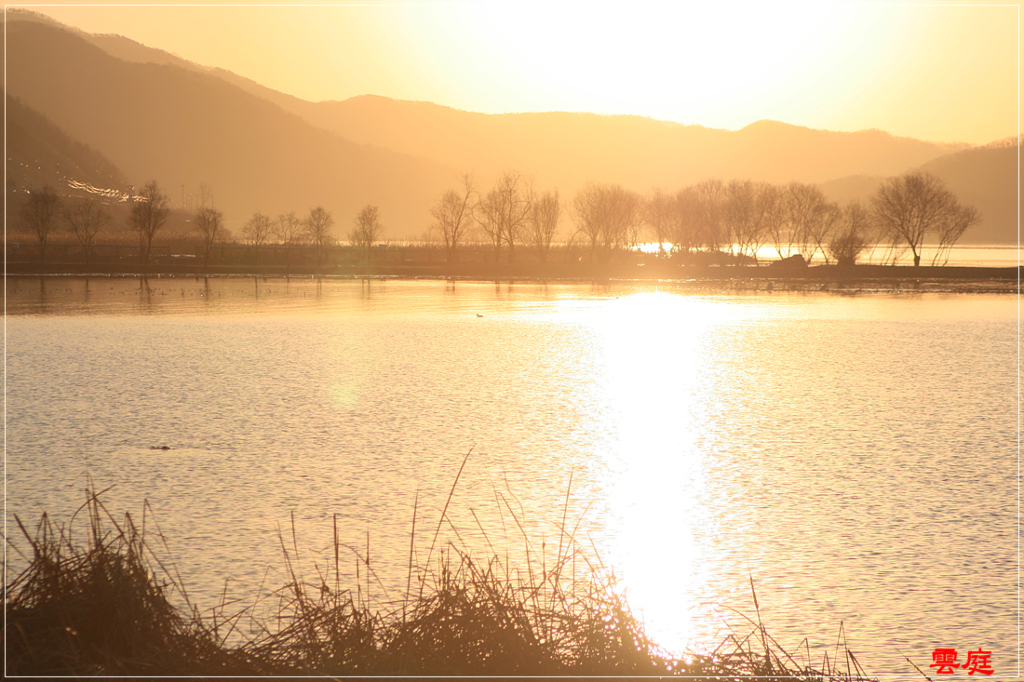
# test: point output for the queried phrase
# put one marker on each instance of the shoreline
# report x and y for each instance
(539, 271)
(767, 279)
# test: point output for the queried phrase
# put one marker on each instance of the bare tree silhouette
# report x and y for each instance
(453, 215)
(505, 212)
(209, 222)
(771, 207)
(806, 205)
(588, 216)
(38, 214)
(86, 217)
(544, 215)
(742, 216)
(367, 231)
(289, 231)
(148, 214)
(608, 216)
(658, 214)
(952, 228)
(256, 232)
(852, 234)
(487, 214)
(907, 207)
(713, 231)
(318, 229)
(686, 219)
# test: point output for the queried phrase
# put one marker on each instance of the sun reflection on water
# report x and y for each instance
(712, 438)
(654, 349)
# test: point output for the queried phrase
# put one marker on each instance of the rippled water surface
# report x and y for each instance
(855, 456)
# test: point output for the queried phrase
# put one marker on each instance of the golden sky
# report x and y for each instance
(940, 72)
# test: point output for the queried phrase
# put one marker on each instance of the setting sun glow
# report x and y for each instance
(839, 66)
(567, 338)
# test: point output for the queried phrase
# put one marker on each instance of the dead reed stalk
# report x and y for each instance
(102, 608)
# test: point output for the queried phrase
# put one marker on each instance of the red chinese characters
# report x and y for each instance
(945, 660)
(979, 662)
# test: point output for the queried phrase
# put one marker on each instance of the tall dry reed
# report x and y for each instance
(103, 607)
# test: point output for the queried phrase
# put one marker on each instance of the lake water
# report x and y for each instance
(854, 455)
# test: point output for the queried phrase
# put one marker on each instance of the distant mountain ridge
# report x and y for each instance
(402, 155)
(984, 177)
(183, 127)
(39, 153)
(559, 149)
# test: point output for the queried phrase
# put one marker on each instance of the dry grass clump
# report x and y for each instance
(471, 619)
(102, 609)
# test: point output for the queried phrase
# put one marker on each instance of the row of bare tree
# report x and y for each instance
(86, 216)
(290, 230)
(510, 214)
(798, 219)
(739, 217)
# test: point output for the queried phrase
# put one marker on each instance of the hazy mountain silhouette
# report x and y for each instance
(984, 177)
(39, 153)
(158, 115)
(567, 149)
(182, 126)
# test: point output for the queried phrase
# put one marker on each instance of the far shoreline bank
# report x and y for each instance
(542, 272)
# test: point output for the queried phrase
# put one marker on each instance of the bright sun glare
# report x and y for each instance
(698, 60)
(656, 472)
(837, 66)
